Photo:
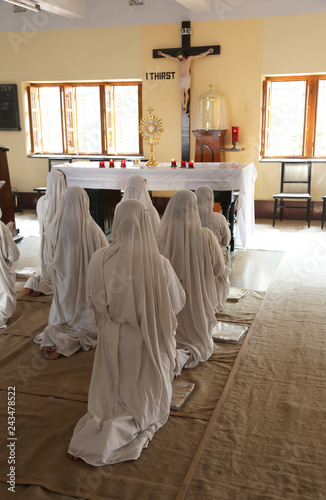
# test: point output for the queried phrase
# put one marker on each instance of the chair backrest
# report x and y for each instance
(296, 177)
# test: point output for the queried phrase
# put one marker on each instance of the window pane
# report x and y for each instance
(320, 137)
(109, 103)
(70, 113)
(88, 119)
(287, 115)
(50, 111)
(126, 119)
(73, 122)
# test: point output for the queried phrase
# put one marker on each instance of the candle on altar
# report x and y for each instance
(123, 164)
(111, 164)
(183, 164)
(191, 164)
(102, 164)
(235, 135)
(173, 163)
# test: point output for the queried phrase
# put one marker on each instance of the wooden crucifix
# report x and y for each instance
(184, 55)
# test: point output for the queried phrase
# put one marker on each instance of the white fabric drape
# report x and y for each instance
(9, 253)
(70, 241)
(130, 391)
(196, 258)
(225, 176)
(46, 208)
(219, 225)
(136, 189)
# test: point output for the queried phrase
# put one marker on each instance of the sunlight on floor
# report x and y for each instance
(282, 236)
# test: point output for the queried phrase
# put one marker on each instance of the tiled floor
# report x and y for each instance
(253, 268)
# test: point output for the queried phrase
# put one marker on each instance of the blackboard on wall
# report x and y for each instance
(9, 115)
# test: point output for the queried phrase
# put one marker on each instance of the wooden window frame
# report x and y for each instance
(310, 114)
(101, 85)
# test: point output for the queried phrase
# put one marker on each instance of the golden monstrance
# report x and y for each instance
(151, 129)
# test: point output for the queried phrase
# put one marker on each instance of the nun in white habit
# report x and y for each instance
(70, 241)
(9, 253)
(135, 295)
(219, 225)
(136, 189)
(197, 259)
(46, 208)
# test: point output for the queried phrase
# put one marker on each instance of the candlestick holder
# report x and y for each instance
(235, 135)
(235, 138)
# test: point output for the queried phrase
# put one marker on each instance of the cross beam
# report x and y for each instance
(188, 51)
(186, 48)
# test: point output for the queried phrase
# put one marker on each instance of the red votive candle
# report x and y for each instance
(173, 163)
(235, 134)
(183, 164)
(111, 163)
(102, 164)
(191, 164)
(123, 163)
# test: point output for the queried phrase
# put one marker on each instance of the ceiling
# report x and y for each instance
(74, 14)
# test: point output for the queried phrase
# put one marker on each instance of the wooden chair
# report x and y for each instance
(295, 187)
(323, 213)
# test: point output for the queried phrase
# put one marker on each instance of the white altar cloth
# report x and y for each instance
(224, 176)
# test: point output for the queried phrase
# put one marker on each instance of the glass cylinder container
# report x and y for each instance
(211, 112)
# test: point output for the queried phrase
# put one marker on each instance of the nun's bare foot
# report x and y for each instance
(52, 354)
(72, 457)
(48, 348)
(27, 291)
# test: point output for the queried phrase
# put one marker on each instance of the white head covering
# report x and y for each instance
(46, 209)
(9, 253)
(219, 225)
(213, 220)
(136, 189)
(55, 187)
(134, 360)
(183, 241)
(70, 241)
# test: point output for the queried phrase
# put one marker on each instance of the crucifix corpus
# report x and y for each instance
(184, 56)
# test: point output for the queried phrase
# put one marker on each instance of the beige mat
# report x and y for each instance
(243, 311)
(19, 292)
(45, 427)
(265, 439)
(51, 396)
(29, 319)
(23, 366)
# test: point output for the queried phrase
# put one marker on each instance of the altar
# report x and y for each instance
(221, 177)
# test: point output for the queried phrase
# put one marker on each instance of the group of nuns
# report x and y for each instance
(147, 301)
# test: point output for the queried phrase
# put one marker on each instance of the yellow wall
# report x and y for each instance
(292, 45)
(88, 54)
(250, 48)
(235, 73)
